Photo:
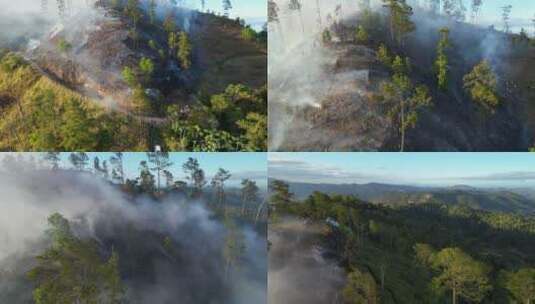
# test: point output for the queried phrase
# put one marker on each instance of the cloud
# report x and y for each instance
(502, 176)
(302, 171)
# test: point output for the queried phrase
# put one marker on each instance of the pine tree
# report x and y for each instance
(77, 129)
(184, 50)
(273, 17)
(160, 162)
(227, 6)
(441, 63)
(506, 12)
(117, 172)
(234, 247)
(476, 8)
(482, 83)
(53, 158)
(146, 179)
(218, 184)
(400, 23)
(249, 194)
(295, 5)
(152, 11)
(79, 160)
(460, 273)
(195, 175)
(404, 99)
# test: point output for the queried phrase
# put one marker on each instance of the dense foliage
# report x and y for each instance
(429, 253)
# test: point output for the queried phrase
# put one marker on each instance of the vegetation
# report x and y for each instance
(481, 83)
(427, 253)
(56, 118)
(58, 270)
(403, 98)
(166, 99)
(78, 262)
(441, 63)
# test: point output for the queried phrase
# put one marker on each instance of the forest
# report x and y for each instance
(80, 230)
(117, 75)
(400, 75)
(409, 253)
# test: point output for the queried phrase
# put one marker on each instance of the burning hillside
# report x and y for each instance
(336, 73)
(132, 243)
(154, 62)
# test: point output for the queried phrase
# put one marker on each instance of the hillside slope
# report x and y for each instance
(498, 200)
(181, 79)
(347, 113)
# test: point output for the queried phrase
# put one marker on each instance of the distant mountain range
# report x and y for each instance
(514, 200)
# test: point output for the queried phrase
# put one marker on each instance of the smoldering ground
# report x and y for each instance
(299, 272)
(87, 46)
(189, 270)
(304, 72)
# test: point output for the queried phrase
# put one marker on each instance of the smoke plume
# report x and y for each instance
(191, 271)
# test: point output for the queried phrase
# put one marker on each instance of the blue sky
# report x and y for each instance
(433, 169)
(249, 9)
(522, 12)
(241, 165)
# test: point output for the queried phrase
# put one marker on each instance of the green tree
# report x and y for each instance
(383, 56)
(169, 24)
(400, 19)
(465, 277)
(79, 160)
(361, 35)
(160, 162)
(64, 46)
(425, 254)
(117, 172)
(146, 66)
(295, 5)
(146, 179)
(169, 179)
(152, 11)
(77, 131)
(326, 36)
(255, 127)
(218, 184)
(72, 271)
(129, 77)
(405, 99)
(521, 284)
(280, 193)
(360, 289)
(184, 50)
(441, 63)
(248, 34)
(195, 175)
(46, 122)
(249, 194)
(227, 6)
(482, 83)
(234, 248)
(133, 11)
(53, 158)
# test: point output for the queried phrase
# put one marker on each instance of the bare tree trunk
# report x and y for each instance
(402, 126)
(259, 210)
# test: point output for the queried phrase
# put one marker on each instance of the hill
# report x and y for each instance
(402, 253)
(340, 103)
(500, 200)
(173, 77)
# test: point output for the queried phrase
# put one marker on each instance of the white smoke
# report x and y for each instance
(298, 271)
(99, 210)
